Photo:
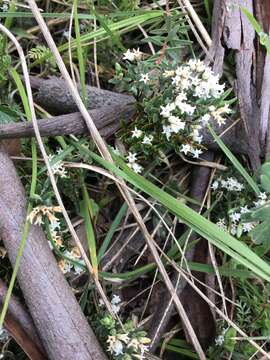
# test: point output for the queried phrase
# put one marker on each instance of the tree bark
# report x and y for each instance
(61, 325)
(54, 96)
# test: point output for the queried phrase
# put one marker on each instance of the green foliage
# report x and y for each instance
(174, 102)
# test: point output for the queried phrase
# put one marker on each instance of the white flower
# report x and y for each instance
(115, 346)
(235, 217)
(244, 209)
(137, 168)
(183, 72)
(144, 78)
(129, 55)
(187, 108)
(262, 196)
(77, 268)
(186, 148)
(259, 203)
(176, 124)
(58, 168)
(4, 7)
(168, 73)
(136, 133)
(233, 229)
(215, 185)
(166, 110)
(247, 227)
(4, 335)
(54, 225)
(222, 224)
(116, 308)
(115, 299)
(167, 130)
(232, 184)
(180, 98)
(132, 157)
(219, 340)
(65, 266)
(196, 153)
(196, 65)
(123, 337)
(137, 54)
(205, 119)
(147, 140)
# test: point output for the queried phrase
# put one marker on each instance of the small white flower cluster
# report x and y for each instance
(117, 344)
(36, 215)
(192, 82)
(219, 340)
(67, 266)
(5, 6)
(58, 168)
(115, 303)
(236, 219)
(262, 198)
(132, 158)
(230, 184)
(55, 234)
(4, 335)
(133, 55)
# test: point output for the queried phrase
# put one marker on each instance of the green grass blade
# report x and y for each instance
(111, 231)
(238, 166)
(198, 223)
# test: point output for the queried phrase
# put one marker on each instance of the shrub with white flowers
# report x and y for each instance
(126, 341)
(174, 102)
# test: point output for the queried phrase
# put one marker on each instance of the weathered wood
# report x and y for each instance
(232, 30)
(54, 96)
(18, 314)
(61, 325)
(23, 340)
(107, 120)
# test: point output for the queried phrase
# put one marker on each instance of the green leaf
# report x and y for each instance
(230, 343)
(239, 167)
(260, 234)
(210, 231)
(7, 115)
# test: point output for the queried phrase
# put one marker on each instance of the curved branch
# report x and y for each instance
(62, 326)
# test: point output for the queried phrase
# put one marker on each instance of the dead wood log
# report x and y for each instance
(54, 96)
(22, 339)
(232, 30)
(61, 325)
(24, 325)
(107, 120)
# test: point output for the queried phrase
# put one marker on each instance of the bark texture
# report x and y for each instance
(61, 325)
(231, 30)
(54, 96)
(107, 119)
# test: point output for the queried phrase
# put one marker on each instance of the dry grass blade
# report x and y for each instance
(106, 155)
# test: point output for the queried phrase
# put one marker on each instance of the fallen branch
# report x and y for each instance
(18, 312)
(54, 96)
(20, 326)
(61, 325)
(107, 120)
